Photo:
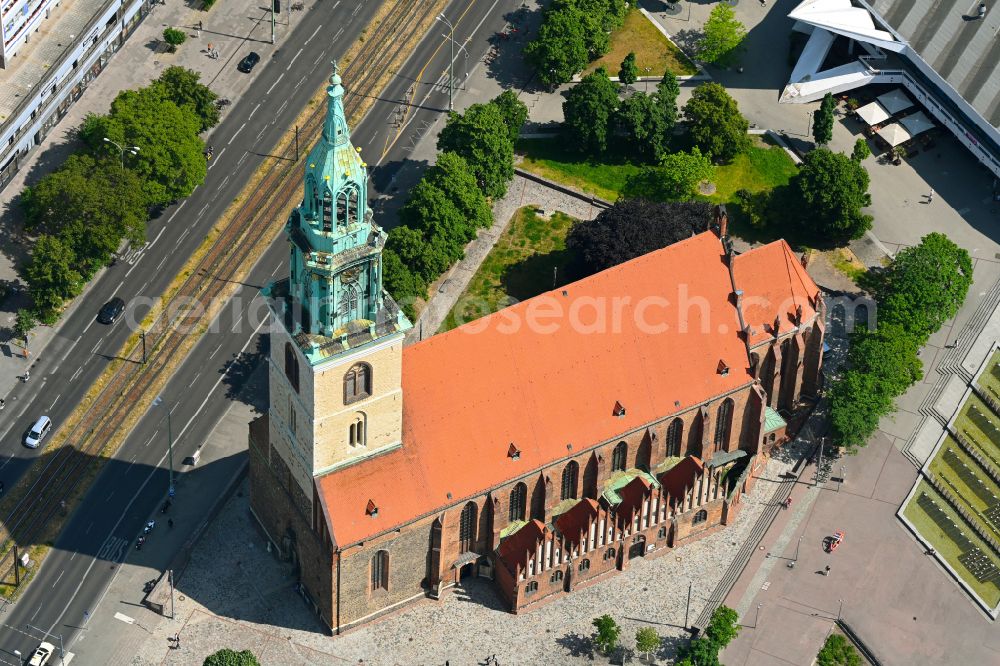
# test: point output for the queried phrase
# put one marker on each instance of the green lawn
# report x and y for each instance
(519, 266)
(990, 379)
(946, 547)
(652, 49)
(977, 496)
(980, 427)
(763, 167)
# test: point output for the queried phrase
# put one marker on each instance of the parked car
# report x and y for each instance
(111, 311)
(42, 654)
(38, 432)
(248, 62)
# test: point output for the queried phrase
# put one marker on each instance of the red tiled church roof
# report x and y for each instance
(647, 334)
(773, 283)
(514, 549)
(576, 519)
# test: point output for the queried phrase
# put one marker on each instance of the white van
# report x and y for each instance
(38, 432)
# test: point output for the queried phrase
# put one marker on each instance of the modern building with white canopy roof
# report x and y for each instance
(939, 53)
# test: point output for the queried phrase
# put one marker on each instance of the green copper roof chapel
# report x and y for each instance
(335, 246)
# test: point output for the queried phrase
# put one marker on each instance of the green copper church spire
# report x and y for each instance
(336, 248)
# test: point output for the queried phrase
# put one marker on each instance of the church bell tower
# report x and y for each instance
(336, 335)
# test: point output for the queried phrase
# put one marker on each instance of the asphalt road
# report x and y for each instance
(101, 534)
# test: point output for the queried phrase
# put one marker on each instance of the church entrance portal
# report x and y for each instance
(638, 549)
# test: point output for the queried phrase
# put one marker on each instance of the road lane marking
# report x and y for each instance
(223, 183)
(129, 271)
(194, 380)
(282, 108)
(216, 351)
(108, 498)
(186, 232)
(294, 57)
(160, 265)
(54, 402)
(150, 439)
(68, 351)
(124, 618)
(36, 615)
(253, 112)
(242, 158)
(117, 288)
(87, 328)
(59, 578)
(76, 374)
(145, 284)
(237, 323)
(236, 133)
(161, 232)
(301, 81)
(94, 350)
(275, 83)
(217, 382)
(339, 33)
(216, 160)
(318, 28)
(202, 211)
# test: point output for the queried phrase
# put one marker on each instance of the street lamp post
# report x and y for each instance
(687, 609)
(648, 70)
(796, 558)
(170, 443)
(451, 63)
(123, 149)
(840, 609)
(756, 617)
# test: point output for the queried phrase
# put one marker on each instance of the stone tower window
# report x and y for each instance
(569, 475)
(357, 383)
(700, 517)
(291, 366)
(723, 424)
(357, 432)
(380, 570)
(674, 434)
(618, 457)
(518, 497)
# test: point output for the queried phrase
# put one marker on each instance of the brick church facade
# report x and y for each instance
(544, 446)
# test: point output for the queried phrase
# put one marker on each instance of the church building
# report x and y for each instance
(545, 446)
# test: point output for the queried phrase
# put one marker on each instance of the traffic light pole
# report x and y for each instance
(272, 20)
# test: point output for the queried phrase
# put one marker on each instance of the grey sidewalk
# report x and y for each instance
(233, 27)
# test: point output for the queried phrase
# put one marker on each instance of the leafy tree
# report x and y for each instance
(838, 651)
(890, 353)
(823, 120)
(227, 657)
(861, 150)
(25, 321)
(606, 634)
(723, 627)
(560, 50)
(513, 110)
(427, 257)
(700, 652)
(641, 123)
(646, 640)
(715, 123)
(722, 36)
(52, 277)
(433, 212)
(629, 72)
(681, 172)
(925, 285)
(91, 205)
(667, 91)
(857, 402)
(451, 175)
(181, 86)
(826, 196)
(588, 111)
(483, 139)
(174, 37)
(632, 228)
(170, 162)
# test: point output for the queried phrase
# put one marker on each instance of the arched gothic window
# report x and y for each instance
(518, 496)
(619, 456)
(675, 432)
(380, 570)
(569, 475)
(357, 383)
(291, 366)
(700, 517)
(357, 434)
(723, 425)
(467, 528)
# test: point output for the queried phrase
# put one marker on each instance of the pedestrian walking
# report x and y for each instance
(930, 196)
(826, 571)
(199, 25)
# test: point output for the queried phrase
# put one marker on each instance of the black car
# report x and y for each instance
(248, 63)
(111, 311)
